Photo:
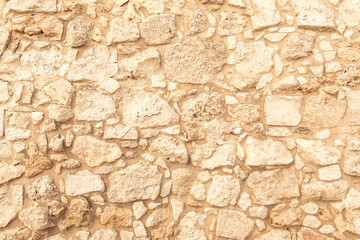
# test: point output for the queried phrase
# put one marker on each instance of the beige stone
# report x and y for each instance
(194, 60)
(278, 234)
(158, 29)
(83, 182)
(171, 148)
(317, 152)
(78, 32)
(283, 110)
(35, 218)
(266, 152)
(324, 191)
(282, 215)
(231, 23)
(314, 14)
(94, 152)
(298, 46)
(78, 214)
(192, 226)
(182, 181)
(42, 189)
(270, 187)
(32, 6)
(353, 109)
(34, 24)
(265, 14)
(36, 162)
(147, 110)
(8, 212)
(234, 224)
(116, 217)
(122, 30)
(5, 36)
(223, 191)
(137, 182)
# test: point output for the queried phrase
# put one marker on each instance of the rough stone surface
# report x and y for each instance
(158, 29)
(224, 190)
(35, 218)
(79, 214)
(172, 149)
(44, 187)
(298, 46)
(234, 224)
(194, 60)
(137, 182)
(83, 182)
(94, 152)
(32, 6)
(265, 14)
(78, 32)
(266, 153)
(147, 110)
(283, 110)
(192, 226)
(270, 187)
(122, 30)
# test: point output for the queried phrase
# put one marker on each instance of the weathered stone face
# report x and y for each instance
(136, 182)
(234, 224)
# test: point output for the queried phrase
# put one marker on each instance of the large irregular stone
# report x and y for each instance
(245, 113)
(171, 148)
(266, 152)
(44, 63)
(270, 187)
(194, 60)
(43, 188)
(348, 52)
(91, 66)
(5, 150)
(265, 14)
(224, 155)
(314, 14)
(57, 92)
(140, 181)
(5, 37)
(324, 191)
(234, 224)
(34, 24)
(192, 226)
(298, 46)
(122, 30)
(117, 217)
(35, 218)
(120, 131)
(143, 64)
(32, 5)
(182, 181)
(224, 190)
(353, 109)
(36, 162)
(283, 110)
(158, 29)
(352, 157)
(317, 152)
(14, 133)
(10, 172)
(157, 216)
(83, 182)
(323, 111)
(78, 32)
(283, 216)
(253, 60)
(349, 12)
(231, 24)
(7, 212)
(278, 234)
(18, 233)
(307, 234)
(93, 106)
(94, 152)
(146, 110)
(204, 107)
(79, 214)
(4, 91)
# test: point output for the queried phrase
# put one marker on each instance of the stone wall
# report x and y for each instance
(179, 119)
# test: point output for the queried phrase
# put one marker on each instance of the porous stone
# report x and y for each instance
(234, 224)
(265, 14)
(231, 23)
(137, 182)
(270, 187)
(122, 30)
(78, 214)
(192, 226)
(158, 29)
(42, 189)
(146, 110)
(182, 181)
(8, 212)
(36, 218)
(116, 217)
(83, 182)
(48, 6)
(95, 152)
(315, 15)
(266, 153)
(194, 60)
(93, 106)
(36, 162)
(78, 32)
(298, 46)
(223, 191)
(90, 66)
(171, 148)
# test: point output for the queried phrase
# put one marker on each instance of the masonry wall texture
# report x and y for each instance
(179, 119)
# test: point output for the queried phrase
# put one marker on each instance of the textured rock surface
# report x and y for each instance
(179, 119)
